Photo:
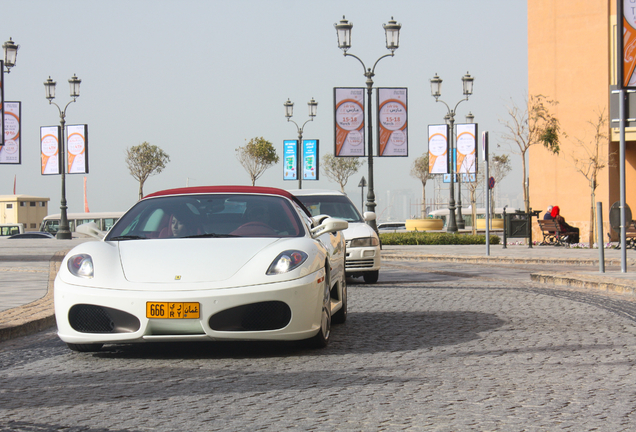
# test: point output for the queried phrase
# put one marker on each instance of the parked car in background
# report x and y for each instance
(33, 235)
(363, 243)
(103, 220)
(206, 263)
(9, 229)
(392, 226)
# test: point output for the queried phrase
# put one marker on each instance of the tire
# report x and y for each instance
(341, 316)
(371, 277)
(321, 339)
(85, 347)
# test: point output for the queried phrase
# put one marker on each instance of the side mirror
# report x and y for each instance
(329, 225)
(91, 229)
(317, 220)
(368, 216)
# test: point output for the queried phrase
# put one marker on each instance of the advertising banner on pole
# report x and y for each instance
(392, 122)
(50, 150)
(349, 122)
(310, 159)
(466, 145)
(438, 149)
(11, 151)
(290, 153)
(626, 24)
(77, 149)
(2, 102)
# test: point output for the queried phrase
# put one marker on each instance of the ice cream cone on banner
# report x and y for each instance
(341, 136)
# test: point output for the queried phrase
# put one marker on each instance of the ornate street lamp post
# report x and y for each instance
(392, 33)
(10, 54)
(436, 91)
(49, 85)
(289, 112)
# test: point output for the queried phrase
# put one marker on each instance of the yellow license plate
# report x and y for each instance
(170, 310)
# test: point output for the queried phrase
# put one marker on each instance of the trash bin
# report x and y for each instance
(518, 224)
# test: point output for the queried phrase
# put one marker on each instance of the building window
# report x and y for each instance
(32, 203)
(32, 225)
(9, 206)
(42, 204)
(22, 204)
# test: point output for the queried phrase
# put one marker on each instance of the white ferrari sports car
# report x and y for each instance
(206, 263)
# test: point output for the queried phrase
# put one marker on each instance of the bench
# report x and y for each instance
(630, 236)
(552, 234)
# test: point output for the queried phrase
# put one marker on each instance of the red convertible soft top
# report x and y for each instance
(229, 189)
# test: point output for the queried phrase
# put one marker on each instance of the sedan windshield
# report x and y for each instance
(338, 206)
(208, 216)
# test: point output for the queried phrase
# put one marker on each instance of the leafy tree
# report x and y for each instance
(257, 156)
(419, 170)
(145, 160)
(593, 161)
(339, 169)
(534, 124)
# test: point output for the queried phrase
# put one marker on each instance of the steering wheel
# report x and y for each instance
(254, 228)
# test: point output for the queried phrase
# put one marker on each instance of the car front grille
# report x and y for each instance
(270, 315)
(358, 264)
(99, 319)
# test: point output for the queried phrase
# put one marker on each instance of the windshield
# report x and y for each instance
(209, 215)
(338, 206)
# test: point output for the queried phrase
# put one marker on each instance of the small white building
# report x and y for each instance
(24, 209)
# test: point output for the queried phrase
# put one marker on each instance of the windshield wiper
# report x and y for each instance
(128, 237)
(215, 235)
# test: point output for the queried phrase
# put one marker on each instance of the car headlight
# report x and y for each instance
(286, 261)
(81, 265)
(365, 242)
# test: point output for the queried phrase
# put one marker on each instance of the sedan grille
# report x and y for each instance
(270, 315)
(99, 319)
(358, 264)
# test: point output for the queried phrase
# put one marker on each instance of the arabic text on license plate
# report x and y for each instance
(170, 310)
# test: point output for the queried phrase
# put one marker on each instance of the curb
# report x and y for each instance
(33, 317)
(601, 283)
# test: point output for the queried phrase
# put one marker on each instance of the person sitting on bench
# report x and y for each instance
(573, 232)
(548, 213)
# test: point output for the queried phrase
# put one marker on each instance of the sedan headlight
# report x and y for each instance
(365, 242)
(286, 262)
(81, 265)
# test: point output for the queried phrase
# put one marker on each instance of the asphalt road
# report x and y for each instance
(432, 346)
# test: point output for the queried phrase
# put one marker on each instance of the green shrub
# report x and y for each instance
(424, 238)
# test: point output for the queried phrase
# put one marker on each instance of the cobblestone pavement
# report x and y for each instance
(432, 347)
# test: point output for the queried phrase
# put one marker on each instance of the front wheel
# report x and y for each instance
(321, 339)
(341, 316)
(371, 277)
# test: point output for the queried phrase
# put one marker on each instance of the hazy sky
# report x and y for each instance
(200, 78)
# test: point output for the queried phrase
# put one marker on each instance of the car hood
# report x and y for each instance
(187, 260)
(358, 230)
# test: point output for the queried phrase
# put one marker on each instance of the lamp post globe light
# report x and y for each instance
(289, 112)
(10, 54)
(49, 86)
(392, 33)
(436, 92)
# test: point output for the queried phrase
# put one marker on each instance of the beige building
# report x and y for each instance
(24, 209)
(571, 59)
